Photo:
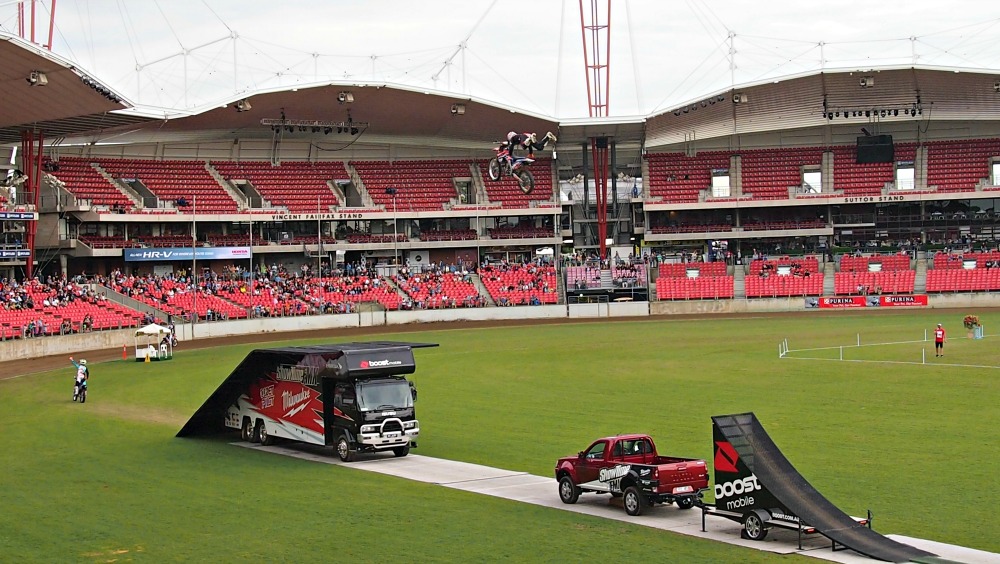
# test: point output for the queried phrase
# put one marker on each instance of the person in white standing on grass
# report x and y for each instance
(82, 374)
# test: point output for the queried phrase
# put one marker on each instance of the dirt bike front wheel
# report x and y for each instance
(526, 180)
(494, 169)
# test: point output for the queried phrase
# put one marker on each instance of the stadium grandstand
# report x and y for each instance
(335, 199)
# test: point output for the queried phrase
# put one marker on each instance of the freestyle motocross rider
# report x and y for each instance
(527, 141)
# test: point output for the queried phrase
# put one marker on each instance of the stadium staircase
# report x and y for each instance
(481, 288)
(607, 281)
(479, 184)
(244, 200)
(359, 185)
(739, 281)
(122, 187)
(128, 302)
(829, 274)
(920, 281)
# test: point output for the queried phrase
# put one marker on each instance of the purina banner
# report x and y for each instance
(919, 300)
(184, 254)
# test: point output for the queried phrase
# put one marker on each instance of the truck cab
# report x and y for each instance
(629, 466)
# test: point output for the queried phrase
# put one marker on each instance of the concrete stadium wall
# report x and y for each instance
(70, 345)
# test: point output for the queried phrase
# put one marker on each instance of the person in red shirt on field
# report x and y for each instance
(939, 338)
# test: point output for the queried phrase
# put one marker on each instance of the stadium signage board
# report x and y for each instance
(318, 216)
(186, 254)
(919, 300)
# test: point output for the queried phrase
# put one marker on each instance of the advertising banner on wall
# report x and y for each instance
(185, 254)
(866, 301)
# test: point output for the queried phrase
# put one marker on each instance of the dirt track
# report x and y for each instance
(16, 368)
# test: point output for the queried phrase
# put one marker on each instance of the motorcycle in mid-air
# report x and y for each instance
(503, 165)
(80, 392)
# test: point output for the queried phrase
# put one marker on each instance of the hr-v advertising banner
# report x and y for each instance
(866, 301)
(185, 253)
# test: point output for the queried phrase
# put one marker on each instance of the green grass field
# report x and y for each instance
(107, 480)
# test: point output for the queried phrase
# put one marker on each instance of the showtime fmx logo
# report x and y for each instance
(379, 363)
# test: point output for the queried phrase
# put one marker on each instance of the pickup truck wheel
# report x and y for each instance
(344, 450)
(634, 501)
(401, 451)
(684, 502)
(753, 527)
(568, 492)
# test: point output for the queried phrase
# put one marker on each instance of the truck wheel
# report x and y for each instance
(344, 450)
(753, 527)
(246, 432)
(568, 492)
(634, 501)
(402, 451)
(265, 438)
(684, 502)
(255, 437)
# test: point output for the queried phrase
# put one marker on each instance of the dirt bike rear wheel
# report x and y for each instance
(83, 395)
(526, 180)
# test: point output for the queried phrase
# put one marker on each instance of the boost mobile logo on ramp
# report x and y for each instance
(725, 457)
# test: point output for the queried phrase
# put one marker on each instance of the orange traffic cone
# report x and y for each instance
(124, 352)
(147, 356)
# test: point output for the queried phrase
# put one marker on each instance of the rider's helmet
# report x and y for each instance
(83, 362)
(511, 135)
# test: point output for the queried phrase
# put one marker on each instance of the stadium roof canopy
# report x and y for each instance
(44, 92)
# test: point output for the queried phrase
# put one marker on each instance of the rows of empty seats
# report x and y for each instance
(882, 282)
(173, 180)
(437, 291)
(768, 173)
(690, 228)
(448, 235)
(787, 224)
(954, 166)
(83, 181)
(507, 191)
(803, 264)
(299, 186)
(784, 285)
(851, 263)
(103, 314)
(177, 298)
(960, 280)
(520, 232)
(357, 289)
(582, 277)
(866, 179)
(956, 261)
(701, 287)
(692, 269)
(419, 185)
(108, 241)
(678, 178)
(520, 284)
(693, 281)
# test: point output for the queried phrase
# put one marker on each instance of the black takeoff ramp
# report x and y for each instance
(757, 485)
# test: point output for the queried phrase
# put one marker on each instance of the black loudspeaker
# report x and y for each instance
(875, 149)
(602, 142)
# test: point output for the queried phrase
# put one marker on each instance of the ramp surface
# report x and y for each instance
(777, 475)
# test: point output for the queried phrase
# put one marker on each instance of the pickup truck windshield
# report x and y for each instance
(384, 394)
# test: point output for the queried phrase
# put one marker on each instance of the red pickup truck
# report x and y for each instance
(628, 466)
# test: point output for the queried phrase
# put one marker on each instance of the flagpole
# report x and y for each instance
(194, 261)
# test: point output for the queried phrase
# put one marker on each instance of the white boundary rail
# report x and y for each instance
(784, 350)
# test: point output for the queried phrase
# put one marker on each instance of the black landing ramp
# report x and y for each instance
(776, 474)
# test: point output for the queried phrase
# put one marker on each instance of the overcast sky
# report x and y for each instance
(525, 54)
